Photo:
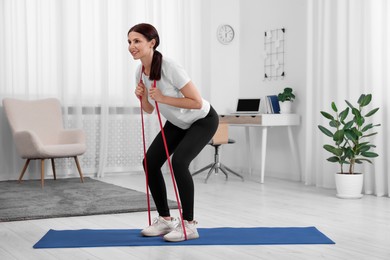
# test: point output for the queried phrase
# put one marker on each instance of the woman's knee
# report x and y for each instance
(152, 165)
(179, 162)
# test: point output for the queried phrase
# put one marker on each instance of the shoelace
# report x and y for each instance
(155, 221)
(179, 228)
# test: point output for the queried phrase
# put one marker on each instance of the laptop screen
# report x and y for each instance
(248, 105)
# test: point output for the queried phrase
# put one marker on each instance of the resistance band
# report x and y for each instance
(144, 144)
(168, 159)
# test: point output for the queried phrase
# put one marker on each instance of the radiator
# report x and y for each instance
(121, 149)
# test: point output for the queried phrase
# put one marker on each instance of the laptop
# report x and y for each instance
(247, 106)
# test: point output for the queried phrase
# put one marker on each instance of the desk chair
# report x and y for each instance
(220, 137)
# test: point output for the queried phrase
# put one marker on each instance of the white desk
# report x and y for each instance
(265, 121)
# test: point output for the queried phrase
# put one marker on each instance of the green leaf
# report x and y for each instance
(363, 148)
(367, 127)
(349, 104)
(334, 107)
(372, 112)
(348, 125)
(334, 150)
(351, 135)
(365, 100)
(333, 159)
(334, 123)
(363, 159)
(327, 115)
(325, 131)
(361, 98)
(357, 132)
(358, 161)
(356, 112)
(344, 114)
(370, 154)
(349, 153)
(338, 136)
(359, 120)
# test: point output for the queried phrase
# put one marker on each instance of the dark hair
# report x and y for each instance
(150, 33)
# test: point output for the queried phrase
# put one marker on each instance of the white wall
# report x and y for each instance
(220, 64)
(236, 70)
(222, 61)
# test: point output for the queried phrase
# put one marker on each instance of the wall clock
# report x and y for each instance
(225, 34)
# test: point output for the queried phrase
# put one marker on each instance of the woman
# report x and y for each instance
(191, 123)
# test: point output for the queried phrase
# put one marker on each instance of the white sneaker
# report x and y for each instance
(159, 227)
(178, 235)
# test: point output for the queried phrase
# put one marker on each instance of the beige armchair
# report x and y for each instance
(39, 134)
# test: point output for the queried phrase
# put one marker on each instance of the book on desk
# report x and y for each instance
(272, 104)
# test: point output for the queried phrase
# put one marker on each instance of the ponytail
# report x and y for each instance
(155, 71)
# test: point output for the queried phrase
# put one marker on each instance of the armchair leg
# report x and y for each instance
(42, 172)
(79, 168)
(24, 170)
(54, 168)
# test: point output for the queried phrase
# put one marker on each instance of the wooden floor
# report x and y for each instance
(360, 228)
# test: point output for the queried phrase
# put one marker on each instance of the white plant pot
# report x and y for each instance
(349, 186)
(285, 107)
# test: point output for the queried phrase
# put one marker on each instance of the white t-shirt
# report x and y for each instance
(173, 78)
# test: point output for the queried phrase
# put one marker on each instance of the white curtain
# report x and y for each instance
(348, 54)
(76, 50)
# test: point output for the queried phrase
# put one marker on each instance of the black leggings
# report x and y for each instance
(185, 145)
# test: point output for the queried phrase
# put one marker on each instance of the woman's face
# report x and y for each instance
(139, 46)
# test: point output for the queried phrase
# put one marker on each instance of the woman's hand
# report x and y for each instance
(155, 94)
(141, 91)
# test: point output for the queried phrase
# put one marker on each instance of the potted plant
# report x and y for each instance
(349, 133)
(285, 100)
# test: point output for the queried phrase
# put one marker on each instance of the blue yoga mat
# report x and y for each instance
(208, 236)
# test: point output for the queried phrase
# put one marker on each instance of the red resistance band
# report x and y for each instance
(168, 159)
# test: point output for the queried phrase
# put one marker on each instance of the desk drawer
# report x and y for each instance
(255, 120)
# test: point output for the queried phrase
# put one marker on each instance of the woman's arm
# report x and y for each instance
(191, 100)
(147, 107)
